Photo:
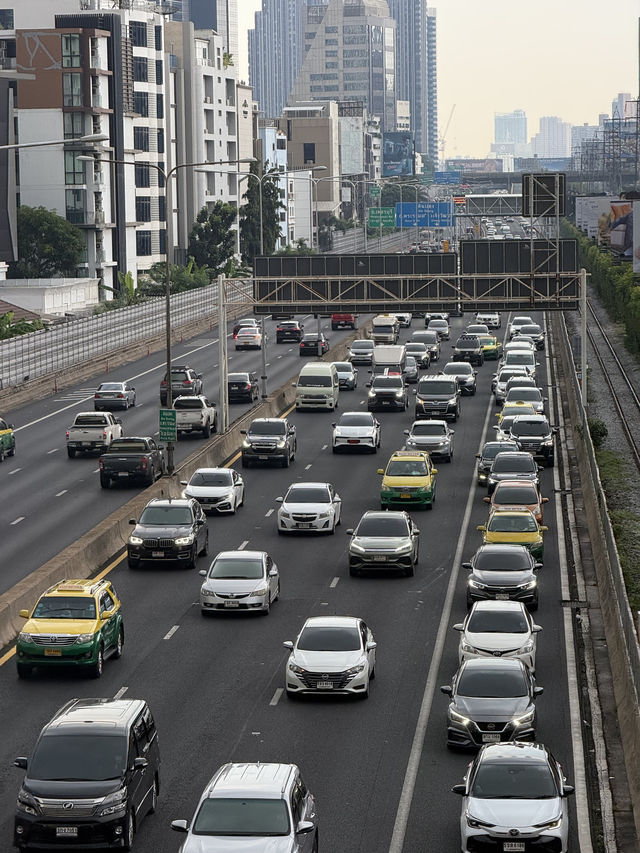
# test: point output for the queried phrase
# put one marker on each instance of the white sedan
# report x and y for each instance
(356, 430)
(220, 489)
(332, 654)
(309, 507)
(502, 629)
(249, 337)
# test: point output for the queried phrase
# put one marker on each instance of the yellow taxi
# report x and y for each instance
(74, 623)
(408, 479)
(7, 439)
(491, 347)
(518, 407)
(514, 527)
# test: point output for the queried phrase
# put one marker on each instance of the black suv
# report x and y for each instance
(242, 387)
(309, 344)
(289, 330)
(503, 571)
(184, 382)
(93, 775)
(269, 440)
(387, 392)
(169, 530)
(534, 434)
(468, 348)
(438, 397)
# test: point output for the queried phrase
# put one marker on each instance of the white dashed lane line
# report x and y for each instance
(170, 633)
(243, 545)
(55, 450)
(59, 494)
(268, 513)
(276, 696)
(324, 446)
(121, 693)
(306, 467)
(334, 583)
(15, 471)
(18, 520)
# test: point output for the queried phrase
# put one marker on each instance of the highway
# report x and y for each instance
(379, 768)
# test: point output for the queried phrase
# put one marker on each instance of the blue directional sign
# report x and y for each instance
(429, 214)
(447, 177)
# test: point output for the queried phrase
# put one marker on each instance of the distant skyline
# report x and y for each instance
(566, 58)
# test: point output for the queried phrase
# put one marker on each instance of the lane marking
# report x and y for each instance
(268, 513)
(170, 633)
(121, 693)
(96, 471)
(63, 492)
(243, 545)
(306, 467)
(324, 446)
(17, 520)
(276, 696)
(55, 450)
(334, 583)
(15, 471)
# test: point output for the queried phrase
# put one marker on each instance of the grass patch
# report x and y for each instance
(626, 529)
(613, 472)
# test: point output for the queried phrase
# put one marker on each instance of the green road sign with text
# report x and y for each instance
(374, 191)
(168, 431)
(385, 216)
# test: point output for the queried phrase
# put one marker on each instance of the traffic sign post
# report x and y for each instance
(384, 217)
(168, 425)
(426, 214)
(374, 191)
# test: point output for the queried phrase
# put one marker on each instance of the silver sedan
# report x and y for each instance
(114, 395)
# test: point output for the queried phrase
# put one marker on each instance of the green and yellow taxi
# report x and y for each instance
(409, 479)
(491, 347)
(514, 527)
(518, 407)
(7, 440)
(74, 623)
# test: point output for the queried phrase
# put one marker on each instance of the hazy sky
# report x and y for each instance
(568, 58)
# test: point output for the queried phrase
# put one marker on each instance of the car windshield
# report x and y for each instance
(236, 568)
(434, 386)
(355, 419)
(506, 494)
(516, 780)
(65, 607)
(458, 369)
(429, 428)
(511, 560)
(382, 526)
(524, 463)
(307, 495)
(416, 346)
(79, 757)
(362, 345)
(125, 445)
(438, 324)
(241, 816)
(328, 638)
(111, 386)
(387, 382)
(407, 468)
(383, 327)
(211, 478)
(165, 515)
(267, 428)
(490, 451)
(532, 428)
(343, 366)
(490, 683)
(314, 381)
(501, 523)
(426, 337)
(498, 622)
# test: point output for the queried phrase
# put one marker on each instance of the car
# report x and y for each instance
(439, 326)
(244, 323)
(489, 318)
(262, 807)
(356, 431)
(514, 794)
(184, 381)
(404, 319)
(240, 580)
(242, 387)
(114, 395)
(526, 394)
(514, 494)
(434, 437)
(361, 351)
(347, 375)
(535, 435)
(500, 379)
(503, 573)
(309, 507)
(512, 410)
(419, 351)
(533, 331)
(195, 414)
(439, 397)
(521, 358)
(169, 530)
(269, 440)
(7, 439)
(485, 458)
(513, 465)
(92, 777)
(384, 540)
(477, 329)
(492, 701)
(289, 330)
(491, 347)
(464, 373)
(408, 479)
(314, 344)
(498, 629)
(411, 372)
(75, 623)
(248, 337)
(514, 527)
(503, 429)
(343, 320)
(218, 490)
(520, 380)
(387, 392)
(518, 322)
(331, 654)
(519, 343)
(468, 348)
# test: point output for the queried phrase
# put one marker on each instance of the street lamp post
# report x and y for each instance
(91, 137)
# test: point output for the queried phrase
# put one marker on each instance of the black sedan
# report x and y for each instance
(169, 531)
(242, 387)
(314, 344)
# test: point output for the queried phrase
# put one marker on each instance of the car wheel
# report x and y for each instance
(105, 482)
(450, 457)
(334, 449)
(244, 462)
(332, 529)
(205, 547)
(550, 462)
(365, 693)
(276, 597)
(129, 832)
(133, 401)
(24, 670)
(534, 604)
(353, 572)
(151, 477)
(154, 796)
(12, 452)
(71, 452)
(1, 454)
(119, 644)
(95, 670)
(206, 432)
(191, 562)
(315, 847)
(133, 564)
(473, 392)
(372, 674)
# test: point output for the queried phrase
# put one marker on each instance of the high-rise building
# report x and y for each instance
(553, 139)
(510, 128)
(275, 55)
(349, 54)
(619, 108)
(218, 15)
(416, 70)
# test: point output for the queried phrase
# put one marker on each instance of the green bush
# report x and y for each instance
(598, 431)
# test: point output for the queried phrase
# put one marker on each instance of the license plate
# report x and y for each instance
(123, 473)
(325, 685)
(66, 831)
(379, 558)
(86, 444)
(513, 846)
(353, 441)
(303, 524)
(493, 737)
(232, 604)
(53, 653)
(405, 496)
(263, 458)
(502, 596)
(157, 553)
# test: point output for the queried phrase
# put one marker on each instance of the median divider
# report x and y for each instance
(92, 551)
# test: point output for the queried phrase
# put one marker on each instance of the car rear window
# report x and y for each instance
(89, 420)
(188, 403)
(127, 446)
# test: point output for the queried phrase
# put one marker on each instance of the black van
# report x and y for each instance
(93, 775)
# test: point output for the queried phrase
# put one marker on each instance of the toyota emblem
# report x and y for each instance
(497, 654)
(514, 832)
(67, 806)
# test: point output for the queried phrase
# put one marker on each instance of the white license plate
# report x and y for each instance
(232, 604)
(157, 553)
(66, 831)
(123, 473)
(303, 524)
(493, 737)
(379, 558)
(86, 444)
(502, 596)
(325, 685)
(513, 846)
(263, 458)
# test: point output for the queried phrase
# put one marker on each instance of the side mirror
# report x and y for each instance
(545, 500)
(537, 565)
(118, 420)
(478, 455)
(434, 470)
(487, 500)
(20, 762)
(304, 827)
(481, 527)
(288, 644)
(292, 430)
(451, 431)
(243, 432)
(380, 470)
(367, 385)
(458, 626)
(536, 629)
(467, 566)
(140, 763)
(132, 521)
(279, 500)
(349, 531)
(273, 573)
(180, 825)
(24, 614)
(567, 790)
(406, 432)
(333, 424)
(199, 375)
(446, 689)
(543, 528)
(415, 392)
(294, 384)
(538, 691)
(371, 646)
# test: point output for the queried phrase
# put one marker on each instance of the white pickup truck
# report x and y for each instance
(92, 431)
(195, 414)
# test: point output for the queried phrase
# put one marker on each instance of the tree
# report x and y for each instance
(250, 213)
(300, 248)
(181, 278)
(11, 328)
(48, 245)
(212, 240)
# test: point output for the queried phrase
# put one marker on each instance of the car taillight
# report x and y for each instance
(144, 461)
(67, 433)
(188, 382)
(95, 396)
(120, 396)
(104, 433)
(248, 386)
(101, 464)
(164, 382)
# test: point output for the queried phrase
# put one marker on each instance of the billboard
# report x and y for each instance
(594, 215)
(449, 177)
(429, 214)
(397, 154)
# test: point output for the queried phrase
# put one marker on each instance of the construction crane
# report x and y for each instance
(443, 137)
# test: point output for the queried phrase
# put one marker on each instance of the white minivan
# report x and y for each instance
(318, 386)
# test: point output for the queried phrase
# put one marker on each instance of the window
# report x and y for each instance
(74, 203)
(141, 138)
(140, 69)
(309, 152)
(72, 90)
(71, 51)
(161, 141)
(6, 19)
(158, 37)
(73, 125)
(331, 29)
(162, 234)
(160, 175)
(138, 33)
(331, 41)
(142, 175)
(141, 103)
(160, 106)
(143, 242)
(73, 168)
(281, 144)
(162, 208)
(159, 72)
(143, 208)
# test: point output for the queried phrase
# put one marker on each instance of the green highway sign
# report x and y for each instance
(385, 216)
(168, 431)
(374, 191)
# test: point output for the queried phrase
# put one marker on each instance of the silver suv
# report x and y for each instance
(269, 440)
(265, 807)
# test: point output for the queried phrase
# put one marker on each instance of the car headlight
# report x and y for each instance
(458, 718)
(246, 444)
(526, 649)
(467, 647)
(24, 637)
(354, 670)
(206, 591)
(399, 393)
(261, 590)
(452, 401)
(114, 803)
(476, 584)
(281, 443)
(476, 822)
(26, 802)
(385, 488)
(524, 718)
(403, 549)
(324, 514)
(358, 549)
(184, 540)
(135, 540)
(529, 585)
(84, 638)
(297, 669)
(284, 514)
(547, 442)
(554, 823)
(372, 393)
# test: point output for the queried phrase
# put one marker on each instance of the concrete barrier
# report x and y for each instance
(93, 550)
